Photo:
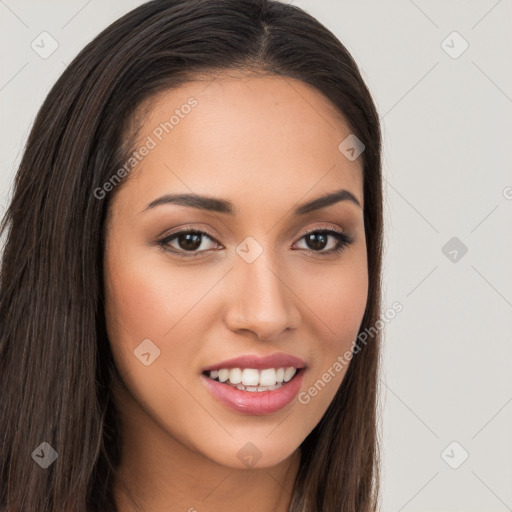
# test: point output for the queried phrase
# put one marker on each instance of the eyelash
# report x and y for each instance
(343, 240)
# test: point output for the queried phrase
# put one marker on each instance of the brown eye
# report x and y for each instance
(189, 241)
(318, 240)
(186, 241)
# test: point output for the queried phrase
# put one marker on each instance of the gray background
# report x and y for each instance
(448, 131)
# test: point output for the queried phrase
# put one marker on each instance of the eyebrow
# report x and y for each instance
(222, 206)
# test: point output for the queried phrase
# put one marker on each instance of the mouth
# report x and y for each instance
(252, 379)
(255, 385)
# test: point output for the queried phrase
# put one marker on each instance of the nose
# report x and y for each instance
(262, 301)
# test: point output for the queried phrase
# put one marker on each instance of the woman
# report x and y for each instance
(192, 248)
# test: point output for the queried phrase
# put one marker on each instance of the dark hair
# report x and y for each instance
(56, 367)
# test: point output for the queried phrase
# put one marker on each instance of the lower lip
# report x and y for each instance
(255, 402)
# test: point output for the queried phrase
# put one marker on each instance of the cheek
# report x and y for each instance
(146, 296)
(336, 302)
(335, 309)
(342, 304)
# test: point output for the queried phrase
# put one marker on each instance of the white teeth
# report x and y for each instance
(235, 376)
(268, 377)
(250, 379)
(223, 375)
(289, 373)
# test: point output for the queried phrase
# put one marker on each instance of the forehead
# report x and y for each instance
(247, 138)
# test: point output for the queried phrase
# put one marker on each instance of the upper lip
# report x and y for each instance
(277, 360)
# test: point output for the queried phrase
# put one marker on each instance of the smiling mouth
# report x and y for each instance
(253, 380)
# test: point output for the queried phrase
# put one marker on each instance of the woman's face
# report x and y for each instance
(249, 282)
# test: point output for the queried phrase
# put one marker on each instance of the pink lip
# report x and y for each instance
(278, 360)
(255, 402)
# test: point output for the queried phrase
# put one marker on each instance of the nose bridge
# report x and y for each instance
(262, 301)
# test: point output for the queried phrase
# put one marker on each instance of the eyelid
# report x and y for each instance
(186, 228)
(323, 228)
(205, 230)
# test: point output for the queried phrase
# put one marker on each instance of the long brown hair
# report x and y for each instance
(56, 367)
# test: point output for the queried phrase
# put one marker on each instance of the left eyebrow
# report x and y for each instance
(223, 206)
(326, 200)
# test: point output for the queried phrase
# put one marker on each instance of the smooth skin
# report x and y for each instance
(266, 144)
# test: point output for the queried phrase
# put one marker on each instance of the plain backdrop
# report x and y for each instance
(440, 74)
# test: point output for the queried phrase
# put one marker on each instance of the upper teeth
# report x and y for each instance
(252, 377)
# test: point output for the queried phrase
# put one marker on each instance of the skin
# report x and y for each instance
(265, 144)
